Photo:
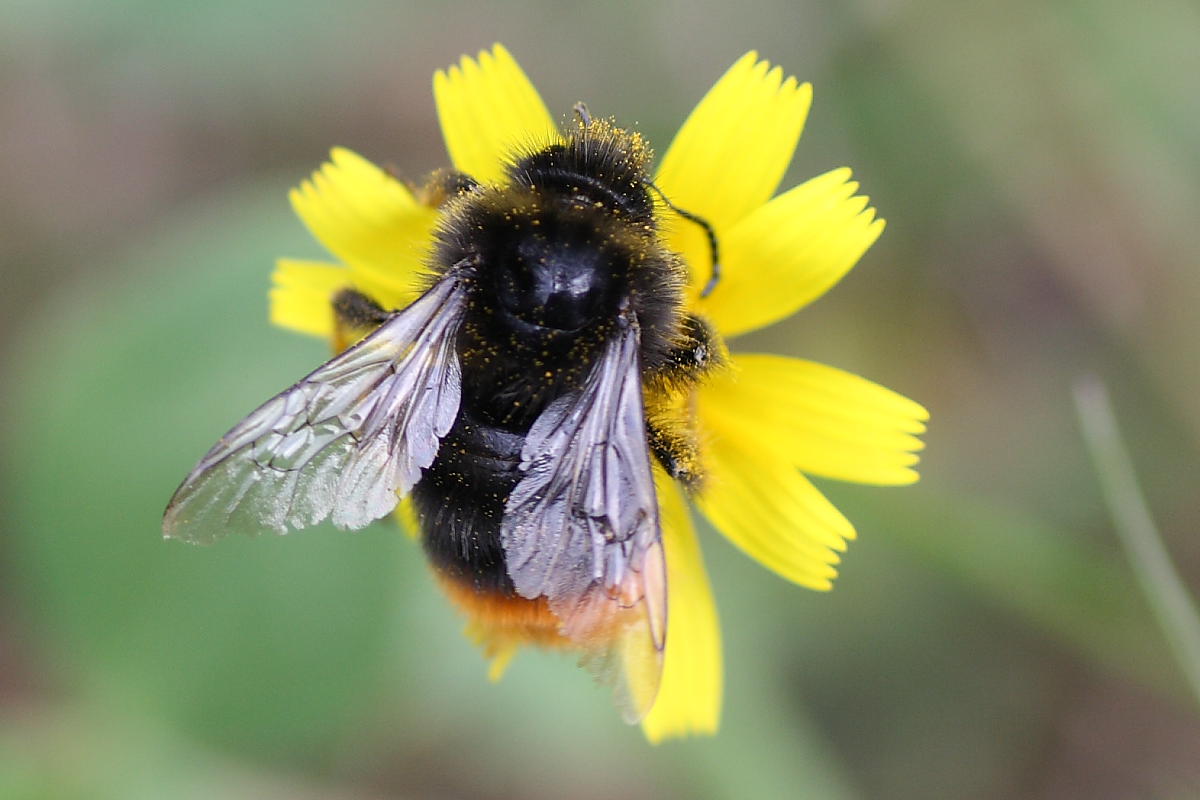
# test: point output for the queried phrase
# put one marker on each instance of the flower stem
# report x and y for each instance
(1176, 611)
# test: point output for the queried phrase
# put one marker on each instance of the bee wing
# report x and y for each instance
(582, 528)
(345, 442)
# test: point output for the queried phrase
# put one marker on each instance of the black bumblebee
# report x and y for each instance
(519, 401)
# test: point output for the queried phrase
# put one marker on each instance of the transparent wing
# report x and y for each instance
(582, 529)
(343, 443)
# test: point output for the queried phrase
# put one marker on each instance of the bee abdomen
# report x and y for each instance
(460, 501)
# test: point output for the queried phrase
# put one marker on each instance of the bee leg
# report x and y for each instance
(353, 309)
(354, 316)
(697, 352)
(676, 450)
(444, 185)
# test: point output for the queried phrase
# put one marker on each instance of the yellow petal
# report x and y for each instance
(767, 508)
(789, 252)
(406, 515)
(489, 112)
(301, 293)
(371, 222)
(731, 153)
(689, 697)
(500, 662)
(499, 652)
(820, 419)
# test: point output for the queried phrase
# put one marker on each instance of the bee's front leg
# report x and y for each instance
(674, 447)
(354, 316)
(669, 430)
(696, 352)
(444, 185)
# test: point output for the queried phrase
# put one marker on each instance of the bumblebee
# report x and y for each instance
(519, 402)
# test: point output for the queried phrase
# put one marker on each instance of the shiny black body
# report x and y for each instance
(551, 259)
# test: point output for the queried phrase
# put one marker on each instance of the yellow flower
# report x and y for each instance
(764, 423)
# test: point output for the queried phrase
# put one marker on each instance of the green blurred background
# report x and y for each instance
(1038, 165)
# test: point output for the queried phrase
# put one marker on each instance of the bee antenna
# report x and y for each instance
(581, 111)
(713, 248)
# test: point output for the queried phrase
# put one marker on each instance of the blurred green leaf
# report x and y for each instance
(1053, 579)
(271, 644)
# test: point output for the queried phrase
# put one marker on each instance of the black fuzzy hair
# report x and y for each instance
(598, 160)
(587, 193)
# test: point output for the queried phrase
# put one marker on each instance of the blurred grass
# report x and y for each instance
(1174, 609)
(1073, 591)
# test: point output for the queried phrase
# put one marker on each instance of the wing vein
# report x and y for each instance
(345, 442)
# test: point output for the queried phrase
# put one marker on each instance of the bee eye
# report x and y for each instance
(554, 284)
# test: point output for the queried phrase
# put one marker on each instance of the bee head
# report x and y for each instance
(569, 235)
